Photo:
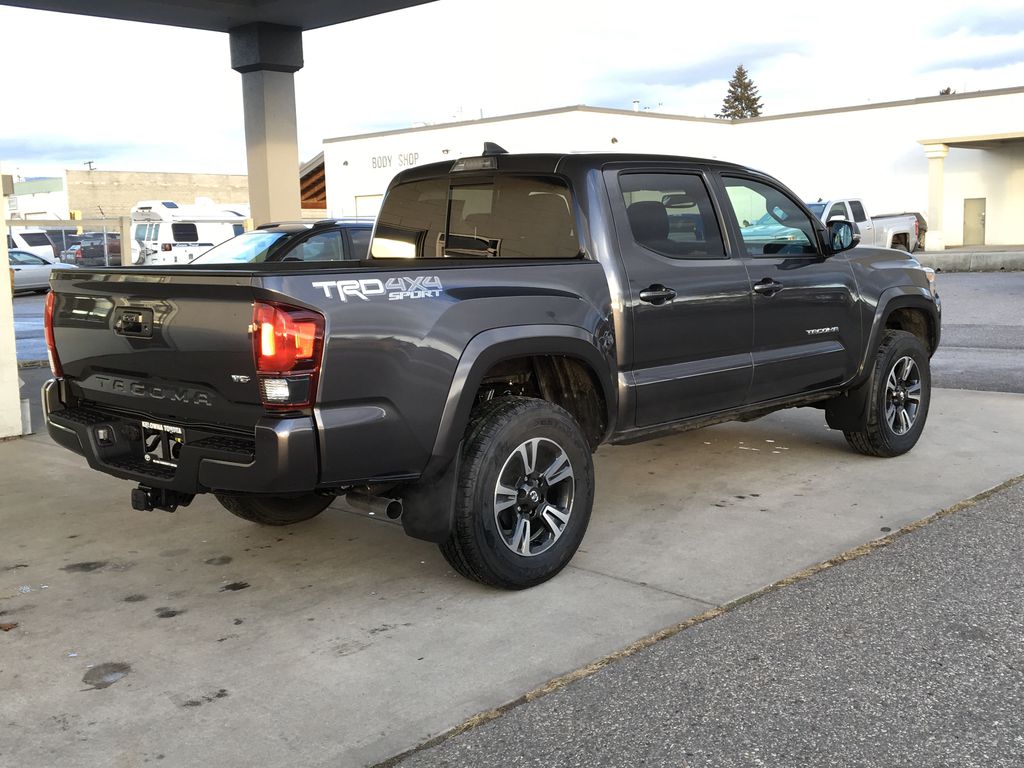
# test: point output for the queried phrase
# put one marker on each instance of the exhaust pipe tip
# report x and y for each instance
(374, 505)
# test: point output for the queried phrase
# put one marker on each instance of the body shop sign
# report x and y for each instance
(401, 160)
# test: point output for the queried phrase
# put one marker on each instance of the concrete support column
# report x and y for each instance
(10, 390)
(267, 56)
(936, 153)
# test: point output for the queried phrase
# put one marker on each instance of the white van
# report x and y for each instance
(35, 241)
(164, 232)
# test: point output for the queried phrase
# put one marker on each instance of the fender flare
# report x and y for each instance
(898, 297)
(429, 502)
(849, 411)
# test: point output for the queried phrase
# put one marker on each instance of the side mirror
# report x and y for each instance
(841, 236)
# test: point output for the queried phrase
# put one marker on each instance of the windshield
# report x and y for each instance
(247, 248)
(816, 208)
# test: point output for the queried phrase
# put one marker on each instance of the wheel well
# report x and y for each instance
(564, 381)
(913, 321)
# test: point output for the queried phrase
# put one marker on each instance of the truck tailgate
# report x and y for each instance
(165, 344)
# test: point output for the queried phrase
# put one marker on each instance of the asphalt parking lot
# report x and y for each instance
(196, 638)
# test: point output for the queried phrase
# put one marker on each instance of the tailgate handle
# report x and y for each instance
(133, 322)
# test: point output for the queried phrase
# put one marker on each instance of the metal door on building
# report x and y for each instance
(974, 221)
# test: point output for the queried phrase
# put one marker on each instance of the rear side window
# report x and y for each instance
(858, 211)
(671, 214)
(36, 238)
(325, 246)
(360, 243)
(504, 217)
(184, 232)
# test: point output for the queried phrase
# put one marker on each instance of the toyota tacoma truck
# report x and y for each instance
(514, 313)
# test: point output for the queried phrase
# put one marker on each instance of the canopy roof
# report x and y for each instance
(222, 15)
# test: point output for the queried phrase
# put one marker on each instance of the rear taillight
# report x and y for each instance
(288, 344)
(51, 347)
(165, 246)
(917, 228)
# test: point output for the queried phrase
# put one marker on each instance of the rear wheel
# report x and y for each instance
(275, 510)
(900, 395)
(526, 488)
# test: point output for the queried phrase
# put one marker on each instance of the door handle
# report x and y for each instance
(767, 287)
(657, 294)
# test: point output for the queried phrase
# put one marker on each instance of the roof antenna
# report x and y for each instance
(490, 148)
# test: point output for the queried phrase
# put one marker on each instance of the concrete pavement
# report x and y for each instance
(910, 655)
(341, 642)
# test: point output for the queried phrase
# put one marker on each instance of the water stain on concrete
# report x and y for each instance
(219, 560)
(105, 675)
(174, 552)
(235, 586)
(206, 699)
(135, 598)
(168, 613)
(86, 567)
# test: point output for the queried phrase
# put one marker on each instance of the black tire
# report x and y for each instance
(275, 510)
(888, 431)
(499, 440)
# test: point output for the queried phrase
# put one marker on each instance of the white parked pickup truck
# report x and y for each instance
(900, 231)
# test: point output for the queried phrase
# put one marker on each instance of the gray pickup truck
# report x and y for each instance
(515, 312)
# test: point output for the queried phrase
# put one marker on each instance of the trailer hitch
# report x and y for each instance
(146, 499)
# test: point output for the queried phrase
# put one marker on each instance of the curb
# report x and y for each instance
(23, 364)
(965, 261)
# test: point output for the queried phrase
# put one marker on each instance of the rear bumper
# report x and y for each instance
(279, 458)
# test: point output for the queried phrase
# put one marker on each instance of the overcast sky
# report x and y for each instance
(144, 97)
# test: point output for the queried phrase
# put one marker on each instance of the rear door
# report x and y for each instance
(869, 235)
(689, 301)
(805, 306)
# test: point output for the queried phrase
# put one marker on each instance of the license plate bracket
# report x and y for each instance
(161, 443)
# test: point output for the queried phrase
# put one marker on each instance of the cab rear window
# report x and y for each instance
(502, 217)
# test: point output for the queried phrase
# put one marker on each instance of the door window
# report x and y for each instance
(858, 211)
(770, 222)
(671, 214)
(837, 209)
(25, 259)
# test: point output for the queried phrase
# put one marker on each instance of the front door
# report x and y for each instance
(689, 302)
(974, 221)
(807, 332)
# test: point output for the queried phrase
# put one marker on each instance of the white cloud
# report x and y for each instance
(158, 98)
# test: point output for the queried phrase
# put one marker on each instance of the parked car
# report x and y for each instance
(35, 241)
(99, 249)
(516, 312)
(325, 240)
(30, 272)
(899, 231)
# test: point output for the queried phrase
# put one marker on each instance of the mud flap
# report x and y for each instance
(849, 411)
(428, 507)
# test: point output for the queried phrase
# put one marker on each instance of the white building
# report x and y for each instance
(959, 159)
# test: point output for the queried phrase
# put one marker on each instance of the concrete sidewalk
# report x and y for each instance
(341, 642)
(910, 655)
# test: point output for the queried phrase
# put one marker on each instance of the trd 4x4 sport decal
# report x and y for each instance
(395, 288)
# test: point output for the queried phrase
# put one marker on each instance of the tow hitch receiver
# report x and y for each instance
(146, 499)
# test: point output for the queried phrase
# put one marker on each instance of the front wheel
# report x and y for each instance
(526, 488)
(275, 510)
(900, 394)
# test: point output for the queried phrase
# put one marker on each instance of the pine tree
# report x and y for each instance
(742, 100)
